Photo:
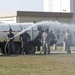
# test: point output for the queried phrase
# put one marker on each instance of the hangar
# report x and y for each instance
(32, 16)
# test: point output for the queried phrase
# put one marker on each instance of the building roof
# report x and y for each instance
(35, 14)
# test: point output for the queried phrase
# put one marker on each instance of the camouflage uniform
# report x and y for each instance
(68, 41)
(46, 41)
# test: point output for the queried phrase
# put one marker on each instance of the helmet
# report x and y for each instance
(46, 29)
(10, 29)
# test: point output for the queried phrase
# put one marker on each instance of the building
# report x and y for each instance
(60, 10)
(58, 6)
(61, 6)
(26, 16)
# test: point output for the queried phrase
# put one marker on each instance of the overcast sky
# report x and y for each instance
(23, 5)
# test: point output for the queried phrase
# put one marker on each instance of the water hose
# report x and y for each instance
(17, 35)
(5, 48)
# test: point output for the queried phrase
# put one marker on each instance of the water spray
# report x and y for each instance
(18, 35)
(57, 25)
(23, 31)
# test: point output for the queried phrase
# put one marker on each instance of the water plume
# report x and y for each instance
(57, 27)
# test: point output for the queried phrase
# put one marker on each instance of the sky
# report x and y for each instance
(21, 5)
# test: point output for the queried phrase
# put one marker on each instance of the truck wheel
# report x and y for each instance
(17, 48)
(2, 51)
(30, 49)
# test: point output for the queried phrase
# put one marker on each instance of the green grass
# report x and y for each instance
(54, 64)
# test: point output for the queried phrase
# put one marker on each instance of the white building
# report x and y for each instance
(60, 10)
(58, 5)
(61, 6)
(26, 16)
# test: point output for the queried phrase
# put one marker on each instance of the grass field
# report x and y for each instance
(53, 64)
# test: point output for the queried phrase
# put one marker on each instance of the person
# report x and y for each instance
(46, 41)
(52, 38)
(39, 40)
(24, 38)
(11, 46)
(40, 34)
(67, 40)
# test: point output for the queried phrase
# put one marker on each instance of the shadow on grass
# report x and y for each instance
(42, 54)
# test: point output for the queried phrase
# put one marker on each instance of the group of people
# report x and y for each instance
(46, 37)
(24, 38)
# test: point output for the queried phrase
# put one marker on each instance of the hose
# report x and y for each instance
(5, 48)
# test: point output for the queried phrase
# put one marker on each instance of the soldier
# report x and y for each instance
(11, 46)
(52, 38)
(46, 41)
(52, 35)
(68, 41)
(24, 38)
(39, 39)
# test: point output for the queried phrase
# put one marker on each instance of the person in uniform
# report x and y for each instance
(24, 38)
(52, 38)
(68, 40)
(39, 40)
(11, 46)
(46, 41)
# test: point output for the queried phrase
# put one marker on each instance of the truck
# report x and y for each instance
(33, 32)
(16, 28)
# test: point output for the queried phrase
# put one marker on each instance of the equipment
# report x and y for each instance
(33, 30)
(17, 29)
